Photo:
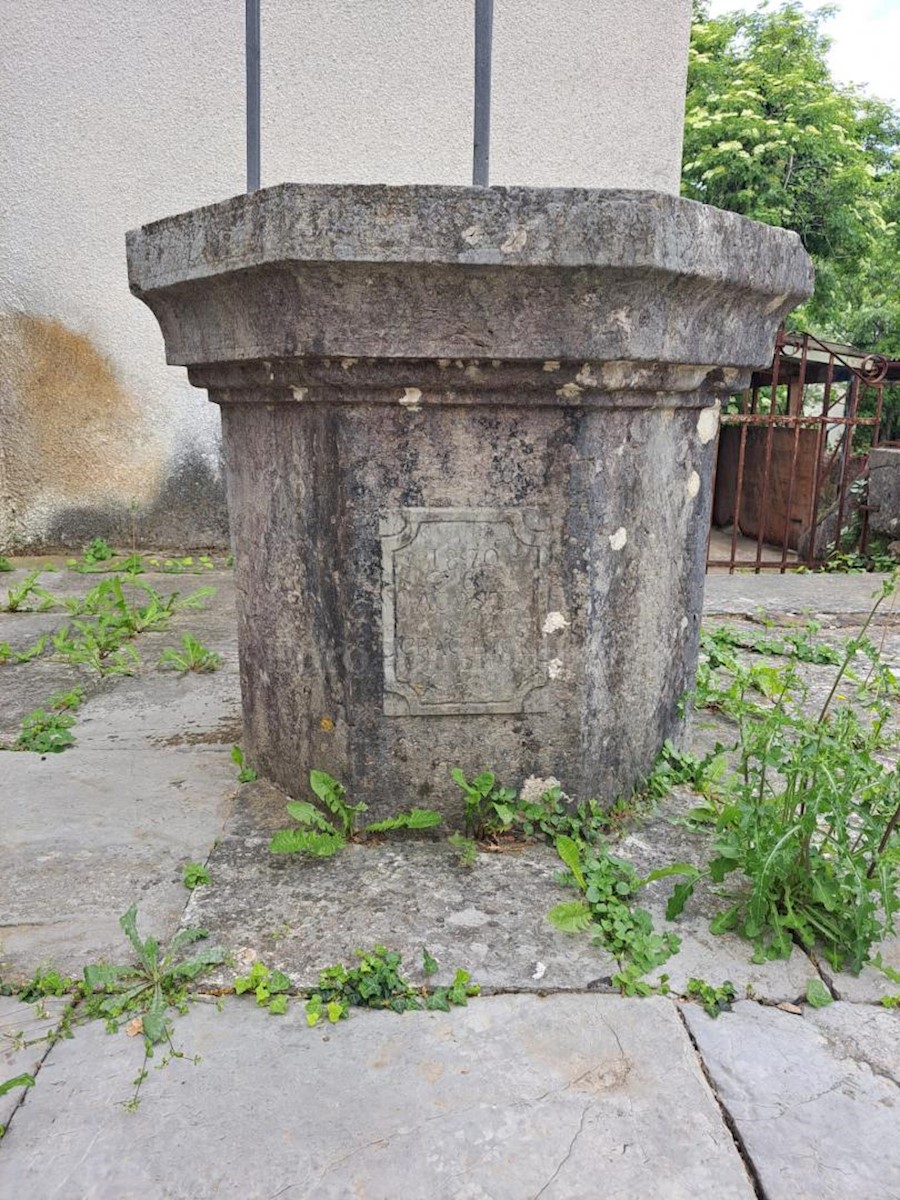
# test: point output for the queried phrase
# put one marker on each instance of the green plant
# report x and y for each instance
(195, 875)
(799, 644)
(44, 983)
(193, 656)
(890, 1001)
(246, 774)
(97, 551)
(17, 597)
(807, 823)
(817, 994)
(604, 909)
(134, 564)
(105, 621)
(488, 808)
(45, 732)
(5, 564)
(323, 836)
(71, 700)
(270, 987)
(144, 991)
(376, 982)
(35, 650)
(714, 999)
(466, 849)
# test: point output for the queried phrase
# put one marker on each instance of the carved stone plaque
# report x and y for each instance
(464, 592)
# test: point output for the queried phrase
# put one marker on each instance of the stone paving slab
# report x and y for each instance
(563, 1098)
(112, 821)
(746, 594)
(23, 1030)
(816, 1121)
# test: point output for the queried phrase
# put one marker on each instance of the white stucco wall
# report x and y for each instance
(118, 112)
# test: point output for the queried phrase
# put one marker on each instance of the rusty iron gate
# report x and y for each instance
(788, 489)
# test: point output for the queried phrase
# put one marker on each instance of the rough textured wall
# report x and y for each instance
(120, 112)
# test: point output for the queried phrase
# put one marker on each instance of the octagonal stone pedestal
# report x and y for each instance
(468, 437)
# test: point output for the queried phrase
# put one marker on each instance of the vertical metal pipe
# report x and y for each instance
(252, 60)
(481, 149)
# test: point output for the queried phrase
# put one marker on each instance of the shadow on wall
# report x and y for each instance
(77, 458)
(189, 512)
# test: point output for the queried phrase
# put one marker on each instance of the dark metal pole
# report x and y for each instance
(252, 52)
(484, 32)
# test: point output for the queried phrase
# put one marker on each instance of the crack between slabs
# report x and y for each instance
(51, 1043)
(728, 1120)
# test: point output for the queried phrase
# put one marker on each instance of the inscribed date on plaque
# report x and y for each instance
(464, 591)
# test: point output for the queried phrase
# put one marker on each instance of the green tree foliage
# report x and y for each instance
(769, 134)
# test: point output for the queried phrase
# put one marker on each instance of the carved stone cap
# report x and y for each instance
(453, 272)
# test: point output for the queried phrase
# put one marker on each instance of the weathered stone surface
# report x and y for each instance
(511, 1097)
(864, 1033)
(446, 272)
(884, 490)
(467, 437)
(814, 1120)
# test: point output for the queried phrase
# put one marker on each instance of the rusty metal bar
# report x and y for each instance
(773, 409)
(876, 428)
(796, 447)
(739, 489)
(811, 557)
(848, 452)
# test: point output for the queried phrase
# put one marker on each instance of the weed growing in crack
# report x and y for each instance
(35, 650)
(5, 564)
(714, 999)
(270, 987)
(488, 807)
(138, 997)
(141, 994)
(246, 773)
(323, 836)
(807, 823)
(817, 994)
(376, 982)
(105, 622)
(21, 597)
(193, 656)
(45, 732)
(195, 875)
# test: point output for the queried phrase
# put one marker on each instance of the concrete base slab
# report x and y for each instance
(565, 1098)
(302, 915)
(814, 1120)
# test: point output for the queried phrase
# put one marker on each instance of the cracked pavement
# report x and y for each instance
(549, 1085)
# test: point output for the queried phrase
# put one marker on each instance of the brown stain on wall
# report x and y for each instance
(69, 431)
